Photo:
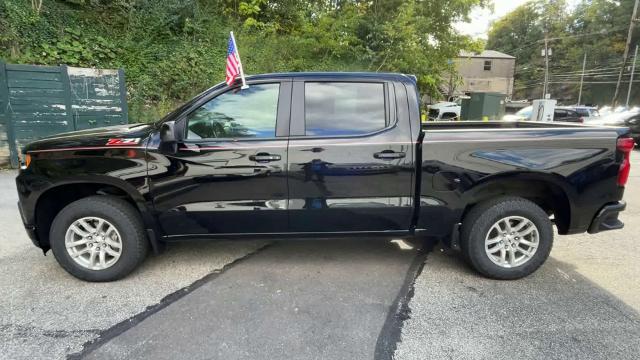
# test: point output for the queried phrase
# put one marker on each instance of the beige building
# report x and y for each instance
(490, 71)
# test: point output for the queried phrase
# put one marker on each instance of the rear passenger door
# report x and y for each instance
(350, 161)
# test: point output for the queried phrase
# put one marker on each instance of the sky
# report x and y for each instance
(481, 18)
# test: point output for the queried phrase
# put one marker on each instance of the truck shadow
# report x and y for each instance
(326, 298)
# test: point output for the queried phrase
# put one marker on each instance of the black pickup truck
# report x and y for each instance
(319, 154)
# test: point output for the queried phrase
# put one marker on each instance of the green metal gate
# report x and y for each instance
(39, 101)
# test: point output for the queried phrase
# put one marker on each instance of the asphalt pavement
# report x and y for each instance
(304, 299)
(46, 313)
(325, 299)
(583, 303)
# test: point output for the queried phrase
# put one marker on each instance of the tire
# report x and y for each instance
(116, 214)
(478, 227)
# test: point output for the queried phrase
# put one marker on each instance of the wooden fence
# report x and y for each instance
(39, 101)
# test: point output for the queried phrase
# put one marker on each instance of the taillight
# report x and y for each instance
(624, 145)
(581, 120)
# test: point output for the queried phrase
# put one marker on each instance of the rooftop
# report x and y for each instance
(333, 75)
(487, 54)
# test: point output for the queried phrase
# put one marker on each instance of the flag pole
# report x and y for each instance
(235, 44)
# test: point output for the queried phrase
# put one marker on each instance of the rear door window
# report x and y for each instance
(560, 113)
(343, 108)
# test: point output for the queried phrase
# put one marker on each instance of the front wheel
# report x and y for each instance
(506, 238)
(98, 238)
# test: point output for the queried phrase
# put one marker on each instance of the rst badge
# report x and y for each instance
(124, 141)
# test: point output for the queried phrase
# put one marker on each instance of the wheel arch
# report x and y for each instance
(54, 198)
(549, 191)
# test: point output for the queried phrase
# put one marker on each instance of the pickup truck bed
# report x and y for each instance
(319, 154)
(568, 169)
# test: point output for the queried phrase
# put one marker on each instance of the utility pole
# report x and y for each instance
(626, 53)
(633, 70)
(545, 88)
(584, 64)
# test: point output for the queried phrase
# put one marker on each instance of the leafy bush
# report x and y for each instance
(173, 49)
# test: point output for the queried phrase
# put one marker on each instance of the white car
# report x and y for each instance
(445, 110)
(522, 114)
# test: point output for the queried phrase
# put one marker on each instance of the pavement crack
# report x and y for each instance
(107, 334)
(400, 311)
(21, 331)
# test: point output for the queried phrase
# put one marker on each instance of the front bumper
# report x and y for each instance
(607, 218)
(30, 229)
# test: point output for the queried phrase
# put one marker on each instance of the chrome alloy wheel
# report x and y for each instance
(93, 243)
(512, 241)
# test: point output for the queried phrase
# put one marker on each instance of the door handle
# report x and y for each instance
(264, 157)
(389, 155)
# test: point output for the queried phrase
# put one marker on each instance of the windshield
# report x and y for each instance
(525, 112)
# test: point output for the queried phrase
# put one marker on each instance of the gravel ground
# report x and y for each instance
(584, 303)
(46, 313)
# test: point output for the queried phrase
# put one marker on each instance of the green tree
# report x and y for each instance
(595, 27)
(172, 49)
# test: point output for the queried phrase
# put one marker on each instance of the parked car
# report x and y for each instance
(630, 119)
(585, 112)
(445, 110)
(319, 155)
(523, 114)
(608, 110)
(560, 114)
(567, 114)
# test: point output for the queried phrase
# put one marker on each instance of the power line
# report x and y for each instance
(559, 67)
(528, 45)
(593, 82)
(626, 51)
(602, 32)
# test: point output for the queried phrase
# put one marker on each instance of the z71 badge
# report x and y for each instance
(125, 141)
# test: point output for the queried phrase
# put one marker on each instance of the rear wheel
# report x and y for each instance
(98, 238)
(506, 238)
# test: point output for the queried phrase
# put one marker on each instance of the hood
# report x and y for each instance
(119, 135)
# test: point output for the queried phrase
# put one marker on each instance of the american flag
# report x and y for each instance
(233, 64)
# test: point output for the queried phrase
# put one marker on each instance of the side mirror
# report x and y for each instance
(168, 133)
(171, 133)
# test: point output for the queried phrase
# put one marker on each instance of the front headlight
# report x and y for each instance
(27, 161)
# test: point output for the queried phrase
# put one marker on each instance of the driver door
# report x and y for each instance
(229, 174)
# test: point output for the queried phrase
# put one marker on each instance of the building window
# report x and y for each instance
(487, 65)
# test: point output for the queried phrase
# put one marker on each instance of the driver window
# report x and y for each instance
(249, 113)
